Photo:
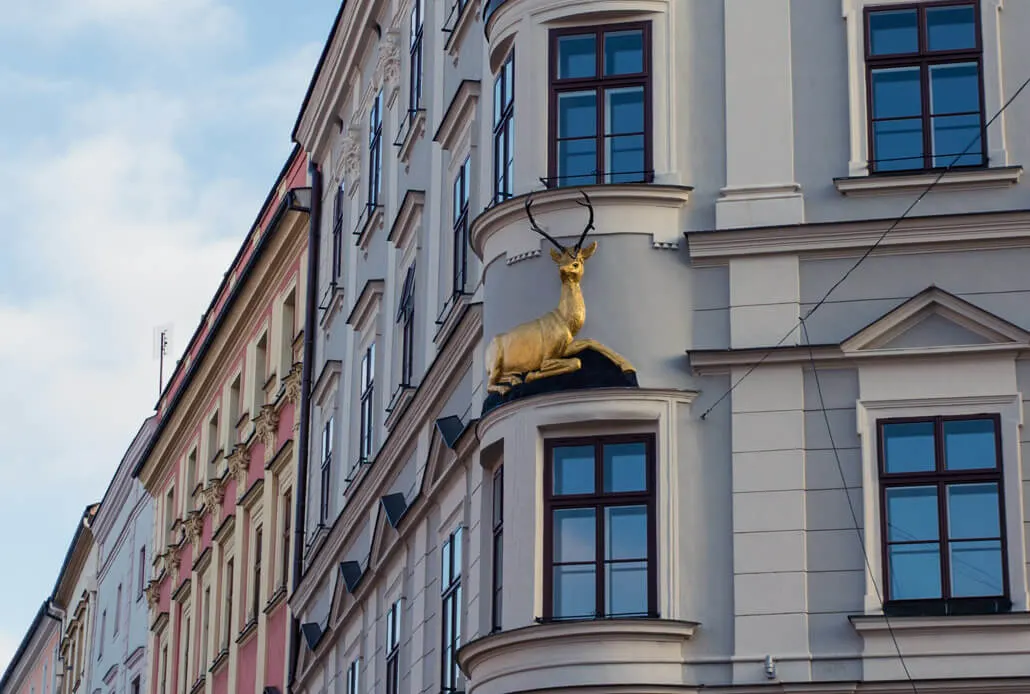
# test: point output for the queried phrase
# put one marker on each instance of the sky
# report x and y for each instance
(138, 139)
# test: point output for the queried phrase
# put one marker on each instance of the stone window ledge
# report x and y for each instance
(917, 182)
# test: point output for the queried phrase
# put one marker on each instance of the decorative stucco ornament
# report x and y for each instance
(238, 462)
(350, 153)
(388, 67)
(546, 348)
(266, 426)
(153, 591)
(291, 385)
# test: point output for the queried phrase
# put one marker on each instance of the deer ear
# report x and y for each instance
(588, 251)
(556, 256)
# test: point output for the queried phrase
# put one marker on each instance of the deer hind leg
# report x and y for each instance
(554, 367)
(577, 346)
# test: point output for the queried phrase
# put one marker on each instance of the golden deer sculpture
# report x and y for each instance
(547, 346)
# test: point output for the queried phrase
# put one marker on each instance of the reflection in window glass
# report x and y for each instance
(969, 444)
(623, 52)
(574, 470)
(893, 31)
(577, 56)
(951, 28)
(908, 446)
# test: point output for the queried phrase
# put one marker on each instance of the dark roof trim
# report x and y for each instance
(287, 203)
(24, 645)
(318, 70)
(79, 527)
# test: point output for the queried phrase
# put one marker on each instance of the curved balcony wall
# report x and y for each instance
(689, 637)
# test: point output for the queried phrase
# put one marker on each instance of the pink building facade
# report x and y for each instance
(34, 667)
(221, 469)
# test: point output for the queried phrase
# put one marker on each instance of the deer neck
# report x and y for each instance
(571, 307)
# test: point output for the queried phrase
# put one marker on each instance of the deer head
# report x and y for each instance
(570, 261)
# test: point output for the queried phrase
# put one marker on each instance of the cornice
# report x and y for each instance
(253, 495)
(281, 460)
(851, 236)
(367, 304)
(440, 380)
(330, 373)
(512, 211)
(406, 221)
(459, 115)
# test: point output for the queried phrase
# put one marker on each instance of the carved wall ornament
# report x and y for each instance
(238, 462)
(388, 67)
(194, 525)
(153, 591)
(350, 154)
(291, 386)
(214, 494)
(547, 348)
(266, 426)
(172, 563)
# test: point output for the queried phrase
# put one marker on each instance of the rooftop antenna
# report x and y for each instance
(162, 339)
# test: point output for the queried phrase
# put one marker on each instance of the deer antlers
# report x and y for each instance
(585, 202)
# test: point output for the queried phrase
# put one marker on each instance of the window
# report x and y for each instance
(415, 65)
(375, 152)
(450, 583)
(600, 528)
(103, 632)
(941, 514)
(460, 226)
(117, 611)
(601, 105)
(235, 409)
(368, 368)
(287, 526)
(141, 578)
(504, 131)
(227, 606)
(204, 631)
(164, 669)
(186, 655)
(256, 596)
(925, 86)
(191, 474)
(353, 674)
(327, 468)
(260, 373)
(498, 548)
(338, 202)
(393, 647)
(213, 448)
(169, 513)
(289, 331)
(406, 317)
(134, 687)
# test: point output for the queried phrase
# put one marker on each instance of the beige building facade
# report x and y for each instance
(812, 481)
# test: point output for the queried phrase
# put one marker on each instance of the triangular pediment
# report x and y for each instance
(936, 321)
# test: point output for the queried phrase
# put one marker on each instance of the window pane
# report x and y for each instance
(624, 110)
(574, 591)
(908, 447)
(969, 444)
(575, 535)
(953, 135)
(912, 514)
(445, 564)
(625, 587)
(896, 92)
(973, 511)
(456, 549)
(625, 156)
(950, 28)
(915, 571)
(624, 52)
(976, 569)
(895, 31)
(954, 88)
(577, 162)
(577, 114)
(574, 470)
(625, 467)
(509, 81)
(625, 530)
(577, 56)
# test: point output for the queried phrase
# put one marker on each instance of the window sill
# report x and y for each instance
(277, 597)
(918, 181)
(402, 397)
(373, 219)
(450, 316)
(221, 659)
(456, 29)
(198, 684)
(248, 630)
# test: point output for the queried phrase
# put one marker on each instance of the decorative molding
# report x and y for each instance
(213, 495)
(291, 387)
(153, 593)
(939, 231)
(907, 184)
(665, 245)
(367, 305)
(373, 223)
(460, 115)
(512, 211)
(402, 233)
(238, 461)
(350, 159)
(194, 527)
(416, 127)
(461, 24)
(388, 66)
(519, 257)
(266, 428)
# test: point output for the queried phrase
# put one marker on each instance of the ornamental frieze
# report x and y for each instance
(194, 526)
(291, 386)
(266, 426)
(153, 591)
(238, 462)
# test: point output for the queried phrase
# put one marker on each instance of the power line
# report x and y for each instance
(869, 251)
(851, 507)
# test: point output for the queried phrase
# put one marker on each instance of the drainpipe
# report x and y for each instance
(310, 325)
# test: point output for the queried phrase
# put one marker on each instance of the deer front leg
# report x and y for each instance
(554, 367)
(577, 346)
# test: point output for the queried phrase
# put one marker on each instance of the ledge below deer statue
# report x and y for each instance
(547, 347)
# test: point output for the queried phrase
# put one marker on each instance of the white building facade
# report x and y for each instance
(122, 530)
(815, 483)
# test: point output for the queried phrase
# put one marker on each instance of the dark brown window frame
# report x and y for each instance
(256, 597)
(375, 154)
(393, 648)
(599, 83)
(337, 250)
(415, 50)
(461, 193)
(504, 130)
(941, 478)
(451, 608)
(922, 59)
(367, 375)
(406, 317)
(599, 501)
(326, 472)
(497, 557)
(287, 531)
